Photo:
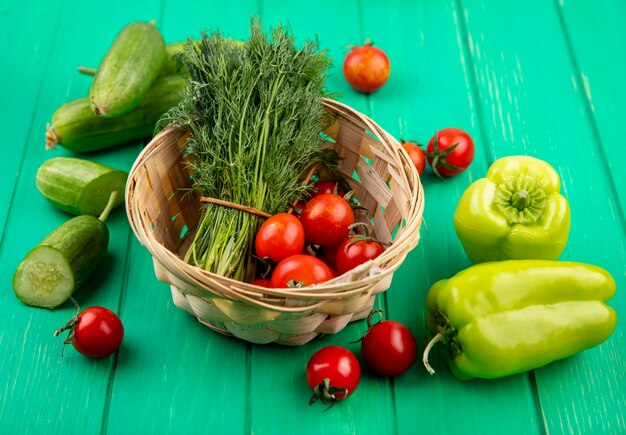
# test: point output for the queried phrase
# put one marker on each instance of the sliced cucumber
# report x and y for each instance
(79, 186)
(53, 270)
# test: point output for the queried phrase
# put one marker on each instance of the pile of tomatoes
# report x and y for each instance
(333, 372)
(318, 245)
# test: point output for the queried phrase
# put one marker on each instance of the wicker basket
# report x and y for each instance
(164, 216)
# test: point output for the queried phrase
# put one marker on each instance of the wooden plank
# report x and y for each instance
(533, 104)
(31, 37)
(43, 392)
(371, 405)
(431, 88)
(587, 28)
(174, 373)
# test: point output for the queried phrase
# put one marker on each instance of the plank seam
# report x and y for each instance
(490, 157)
(104, 423)
(587, 105)
(537, 400)
(473, 80)
(31, 124)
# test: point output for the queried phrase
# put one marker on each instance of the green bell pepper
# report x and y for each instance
(500, 318)
(516, 212)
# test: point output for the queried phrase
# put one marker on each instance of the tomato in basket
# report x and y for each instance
(356, 250)
(301, 271)
(326, 219)
(279, 237)
(327, 186)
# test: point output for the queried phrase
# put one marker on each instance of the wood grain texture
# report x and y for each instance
(539, 79)
(441, 95)
(532, 106)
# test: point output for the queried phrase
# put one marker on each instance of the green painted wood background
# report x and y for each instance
(541, 78)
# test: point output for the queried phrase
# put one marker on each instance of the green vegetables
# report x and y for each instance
(500, 318)
(128, 70)
(53, 270)
(80, 186)
(255, 115)
(515, 212)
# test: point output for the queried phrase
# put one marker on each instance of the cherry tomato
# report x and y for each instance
(301, 271)
(366, 68)
(279, 237)
(327, 186)
(417, 156)
(389, 348)
(333, 373)
(326, 219)
(262, 282)
(98, 332)
(354, 251)
(450, 151)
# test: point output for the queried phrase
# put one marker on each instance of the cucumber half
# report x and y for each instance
(79, 186)
(44, 278)
(53, 270)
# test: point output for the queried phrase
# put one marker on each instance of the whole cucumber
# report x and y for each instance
(53, 270)
(80, 186)
(75, 127)
(128, 69)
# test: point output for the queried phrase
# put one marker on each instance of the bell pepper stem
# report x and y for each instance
(520, 199)
(436, 339)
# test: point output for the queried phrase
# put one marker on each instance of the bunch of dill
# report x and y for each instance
(255, 115)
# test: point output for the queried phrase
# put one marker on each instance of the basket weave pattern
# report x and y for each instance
(164, 212)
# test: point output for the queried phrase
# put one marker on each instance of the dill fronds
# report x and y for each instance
(255, 115)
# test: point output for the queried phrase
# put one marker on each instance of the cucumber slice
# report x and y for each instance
(44, 278)
(79, 186)
(53, 270)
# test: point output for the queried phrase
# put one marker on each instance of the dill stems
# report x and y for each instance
(255, 115)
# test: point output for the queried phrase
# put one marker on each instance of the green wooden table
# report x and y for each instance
(541, 78)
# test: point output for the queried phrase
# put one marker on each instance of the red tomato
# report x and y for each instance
(389, 348)
(366, 68)
(417, 156)
(326, 219)
(354, 251)
(300, 270)
(333, 373)
(279, 237)
(450, 151)
(98, 332)
(327, 186)
(262, 282)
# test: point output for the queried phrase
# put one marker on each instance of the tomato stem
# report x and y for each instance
(326, 393)
(439, 157)
(371, 315)
(71, 325)
(436, 339)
